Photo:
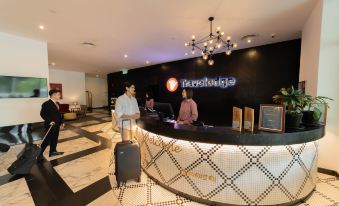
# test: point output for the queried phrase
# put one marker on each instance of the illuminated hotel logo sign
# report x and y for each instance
(172, 84)
(221, 82)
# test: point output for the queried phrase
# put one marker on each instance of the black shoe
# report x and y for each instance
(41, 158)
(55, 154)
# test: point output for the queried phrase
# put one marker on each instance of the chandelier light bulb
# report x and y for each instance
(213, 42)
(210, 62)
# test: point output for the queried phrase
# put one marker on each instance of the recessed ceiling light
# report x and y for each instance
(52, 11)
(147, 62)
(97, 75)
(186, 54)
(42, 27)
(249, 38)
(125, 55)
(88, 44)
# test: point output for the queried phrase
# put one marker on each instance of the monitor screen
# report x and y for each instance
(23, 87)
(165, 108)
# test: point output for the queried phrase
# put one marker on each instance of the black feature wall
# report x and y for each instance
(260, 73)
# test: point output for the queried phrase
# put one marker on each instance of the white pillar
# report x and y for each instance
(319, 66)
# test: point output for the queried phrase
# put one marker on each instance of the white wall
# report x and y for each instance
(328, 82)
(98, 87)
(73, 85)
(27, 58)
(321, 71)
(310, 49)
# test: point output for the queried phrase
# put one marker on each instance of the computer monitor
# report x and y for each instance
(165, 108)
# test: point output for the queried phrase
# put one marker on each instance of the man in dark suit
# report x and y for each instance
(50, 113)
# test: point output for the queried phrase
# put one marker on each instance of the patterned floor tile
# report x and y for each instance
(86, 170)
(145, 193)
(100, 115)
(325, 177)
(64, 134)
(114, 136)
(98, 127)
(81, 124)
(15, 193)
(108, 198)
(6, 159)
(71, 147)
(107, 119)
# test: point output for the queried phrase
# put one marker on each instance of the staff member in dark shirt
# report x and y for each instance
(149, 101)
(50, 113)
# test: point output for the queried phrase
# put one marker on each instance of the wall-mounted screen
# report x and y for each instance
(22, 87)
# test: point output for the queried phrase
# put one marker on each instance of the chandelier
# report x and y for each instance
(211, 44)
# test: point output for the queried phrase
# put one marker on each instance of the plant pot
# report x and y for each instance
(308, 118)
(293, 121)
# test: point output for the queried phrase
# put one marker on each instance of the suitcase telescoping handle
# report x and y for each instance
(49, 129)
(130, 123)
(122, 125)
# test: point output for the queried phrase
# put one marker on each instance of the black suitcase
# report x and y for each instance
(26, 158)
(127, 161)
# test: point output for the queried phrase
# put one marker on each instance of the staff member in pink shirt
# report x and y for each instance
(188, 109)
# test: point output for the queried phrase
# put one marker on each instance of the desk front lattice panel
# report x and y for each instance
(232, 174)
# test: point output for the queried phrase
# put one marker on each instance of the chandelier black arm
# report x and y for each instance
(225, 42)
(195, 46)
(202, 40)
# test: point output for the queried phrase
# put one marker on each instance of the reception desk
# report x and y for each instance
(218, 166)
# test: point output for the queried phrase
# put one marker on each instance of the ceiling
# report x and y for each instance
(145, 30)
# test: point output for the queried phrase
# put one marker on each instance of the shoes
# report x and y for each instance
(55, 153)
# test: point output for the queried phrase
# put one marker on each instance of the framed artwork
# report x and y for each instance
(248, 119)
(320, 110)
(302, 86)
(57, 86)
(237, 119)
(272, 118)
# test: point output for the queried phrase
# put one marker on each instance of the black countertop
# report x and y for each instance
(225, 135)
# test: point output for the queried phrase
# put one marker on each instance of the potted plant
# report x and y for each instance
(294, 100)
(311, 115)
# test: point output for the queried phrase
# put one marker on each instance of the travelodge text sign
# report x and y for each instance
(205, 82)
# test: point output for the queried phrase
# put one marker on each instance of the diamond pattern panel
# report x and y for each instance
(250, 175)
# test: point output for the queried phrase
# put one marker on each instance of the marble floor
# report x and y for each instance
(80, 176)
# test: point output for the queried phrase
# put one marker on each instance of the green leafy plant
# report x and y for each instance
(292, 98)
(318, 100)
